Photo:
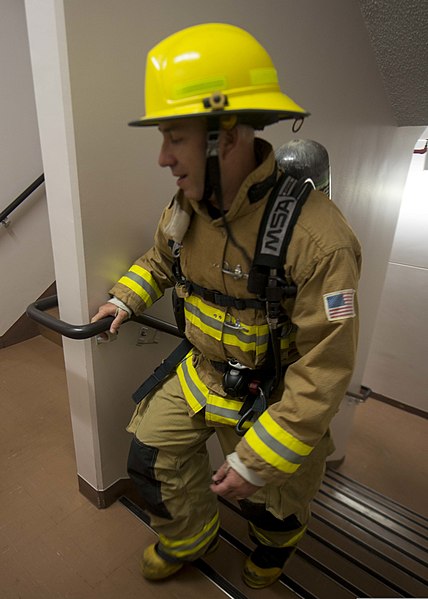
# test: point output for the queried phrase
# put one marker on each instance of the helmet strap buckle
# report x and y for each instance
(212, 143)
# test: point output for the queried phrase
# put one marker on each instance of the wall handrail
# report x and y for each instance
(37, 311)
(4, 214)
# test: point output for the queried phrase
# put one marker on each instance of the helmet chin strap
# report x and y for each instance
(212, 168)
(213, 180)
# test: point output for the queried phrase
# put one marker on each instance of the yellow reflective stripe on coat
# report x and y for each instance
(217, 324)
(245, 343)
(191, 545)
(218, 410)
(224, 411)
(209, 320)
(255, 338)
(287, 341)
(141, 282)
(195, 391)
(278, 447)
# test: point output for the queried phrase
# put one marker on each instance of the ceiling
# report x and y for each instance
(398, 30)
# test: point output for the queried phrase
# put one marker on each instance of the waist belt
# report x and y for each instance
(227, 301)
(223, 367)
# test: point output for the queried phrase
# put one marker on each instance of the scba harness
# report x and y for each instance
(268, 282)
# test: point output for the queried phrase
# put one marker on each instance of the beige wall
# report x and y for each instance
(103, 175)
(26, 264)
(397, 361)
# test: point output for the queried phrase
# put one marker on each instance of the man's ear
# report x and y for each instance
(228, 141)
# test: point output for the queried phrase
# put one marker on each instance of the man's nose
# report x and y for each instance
(166, 157)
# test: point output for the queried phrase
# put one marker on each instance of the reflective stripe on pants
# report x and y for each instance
(176, 480)
(175, 474)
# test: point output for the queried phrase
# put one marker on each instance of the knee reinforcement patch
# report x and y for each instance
(258, 515)
(141, 469)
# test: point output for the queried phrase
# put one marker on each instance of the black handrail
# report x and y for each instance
(37, 311)
(23, 196)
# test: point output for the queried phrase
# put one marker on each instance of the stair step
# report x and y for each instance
(359, 544)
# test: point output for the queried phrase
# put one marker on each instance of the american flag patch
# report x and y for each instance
(339, 304)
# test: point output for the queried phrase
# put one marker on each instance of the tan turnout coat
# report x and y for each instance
(319, 342)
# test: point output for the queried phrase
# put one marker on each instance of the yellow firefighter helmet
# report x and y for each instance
(214, 70)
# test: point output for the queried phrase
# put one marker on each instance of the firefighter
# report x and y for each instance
(208, 89)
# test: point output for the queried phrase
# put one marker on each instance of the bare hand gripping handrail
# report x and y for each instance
(37, 311)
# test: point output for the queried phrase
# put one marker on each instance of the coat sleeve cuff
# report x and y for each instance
(250, 476)
(117, 302)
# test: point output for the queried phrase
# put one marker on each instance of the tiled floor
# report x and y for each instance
(55, 544)
(388, 451)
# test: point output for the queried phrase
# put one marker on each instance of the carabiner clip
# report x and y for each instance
(258, 407)
(238, 428)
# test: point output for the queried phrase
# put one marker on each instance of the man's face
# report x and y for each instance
(183, 151)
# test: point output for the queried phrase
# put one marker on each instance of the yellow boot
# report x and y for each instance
(155, 567)
(264, 566)
(259, 578)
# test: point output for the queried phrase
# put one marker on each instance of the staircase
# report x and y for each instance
(359, 544)
(24, 328)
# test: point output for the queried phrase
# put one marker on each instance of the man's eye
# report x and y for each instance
(176, 140)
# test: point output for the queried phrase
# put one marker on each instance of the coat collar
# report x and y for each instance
(255, 187)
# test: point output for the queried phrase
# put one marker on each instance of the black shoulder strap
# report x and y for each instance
(162, 371)
(281, 213)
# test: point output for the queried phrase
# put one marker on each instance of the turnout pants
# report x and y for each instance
(169, 464)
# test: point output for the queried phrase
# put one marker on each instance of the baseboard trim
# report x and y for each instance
(334, 464)
(104, 499)
(399, 404)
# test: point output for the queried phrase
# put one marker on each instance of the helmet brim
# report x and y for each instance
(256, 118)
